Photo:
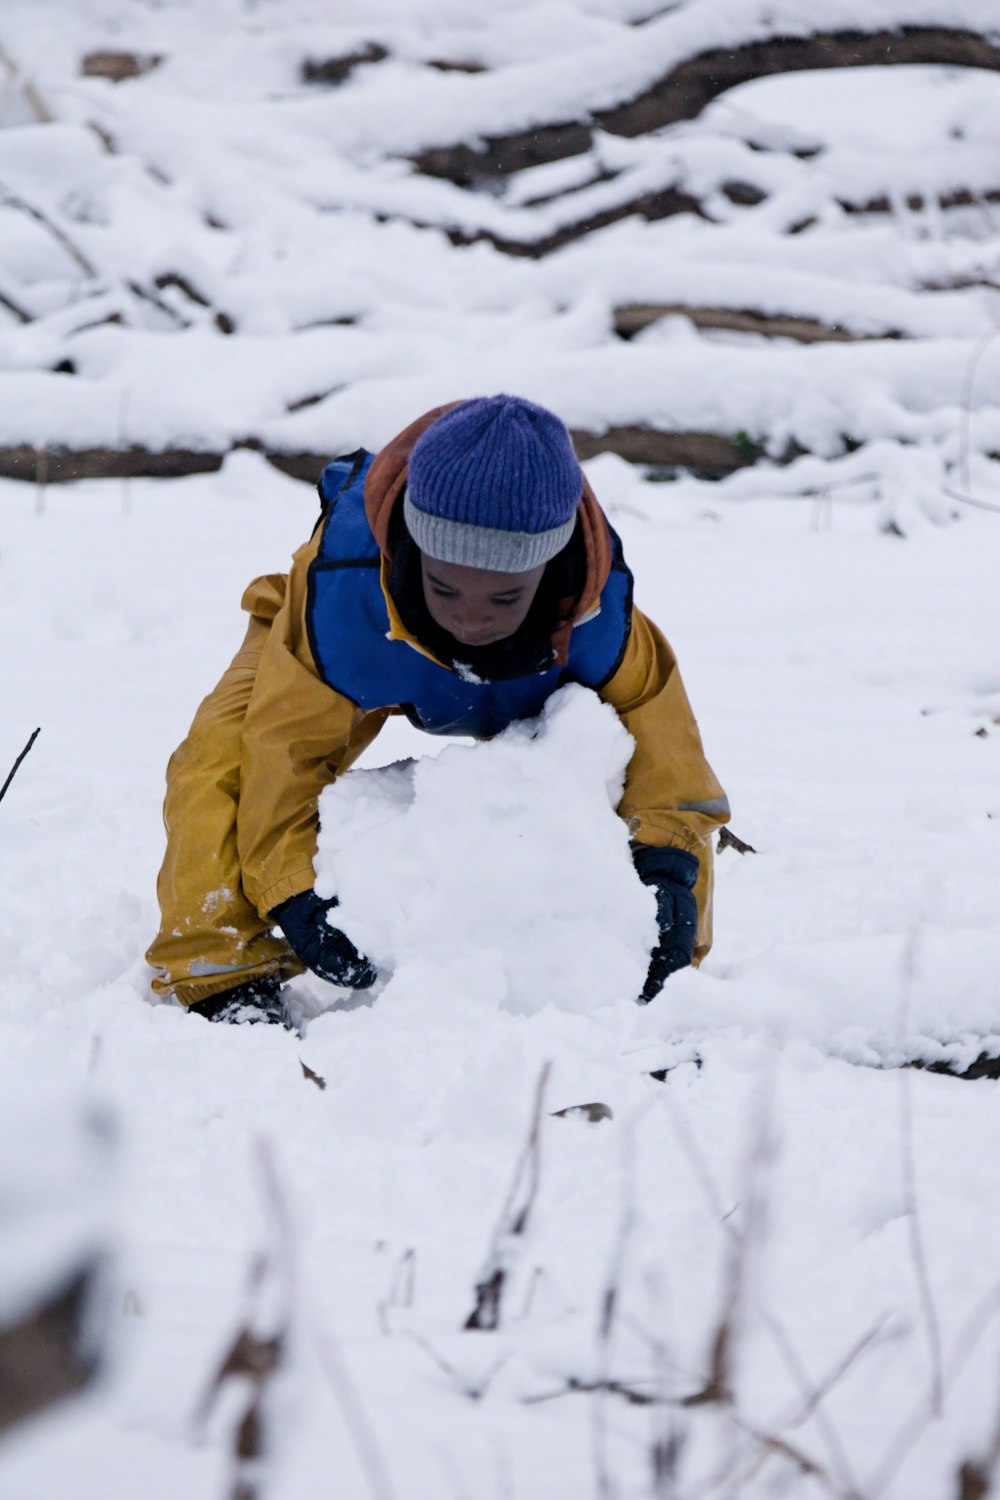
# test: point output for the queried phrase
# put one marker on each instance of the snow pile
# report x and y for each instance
(848, 695)
(503, 859)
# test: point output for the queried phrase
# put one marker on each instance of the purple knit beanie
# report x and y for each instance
(494, 484)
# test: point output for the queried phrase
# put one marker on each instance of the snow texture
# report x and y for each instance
(770, 1165)
(506, 859)
(847, 691)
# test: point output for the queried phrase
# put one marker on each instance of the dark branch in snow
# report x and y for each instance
(15, 308)
(76, 255)
(14, 768)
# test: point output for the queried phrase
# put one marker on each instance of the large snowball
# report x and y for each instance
(504, 859)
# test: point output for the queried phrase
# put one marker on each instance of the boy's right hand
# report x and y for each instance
(325, 950)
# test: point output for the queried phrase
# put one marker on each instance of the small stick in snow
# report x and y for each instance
(14, 767)
(918, 1253)
(513, 1220)
(13, 200)
(257, 1353)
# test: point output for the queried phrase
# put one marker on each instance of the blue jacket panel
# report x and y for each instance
(348, 626)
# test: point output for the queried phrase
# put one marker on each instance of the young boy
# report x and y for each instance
(460, 577)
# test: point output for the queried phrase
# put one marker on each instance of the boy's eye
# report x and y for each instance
(443, 593)
(506, 603)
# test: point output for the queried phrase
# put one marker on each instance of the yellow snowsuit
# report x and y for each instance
(243, 788)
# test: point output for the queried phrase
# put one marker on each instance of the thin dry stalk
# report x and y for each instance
(33, 98)
(356, 1421)
(14, 308)
(967, 394)
(606, 1322)
(909, 1434)
(814, 1407)
(14, 768)
(718, 1389)
(513, 1220)
(402, 1288)
(258, 1351)
(475, 1390)
(76, 255)
(911, 1200)
(840, 1370)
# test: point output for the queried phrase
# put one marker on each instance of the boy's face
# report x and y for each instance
(476, 606)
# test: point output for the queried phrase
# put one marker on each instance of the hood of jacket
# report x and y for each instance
(384, 488)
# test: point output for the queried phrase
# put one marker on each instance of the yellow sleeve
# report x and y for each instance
(671, 796)
(297, 736)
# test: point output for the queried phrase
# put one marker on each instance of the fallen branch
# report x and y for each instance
(14, 308)
(14, 768)
(34, 99)
(683, 92)
(633, 319)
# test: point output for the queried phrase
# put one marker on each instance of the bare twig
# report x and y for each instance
(830, 1381)
(20, 313)
(813, 1399)
(970, 381)
(14, 768)
(38, 105)
(401, 1289)
(966, 1342)
(76, 255)
(918, 1253)
(362, 1434)
(513, 1220)
(475, 1390)
(971, 500)
(258, 1349)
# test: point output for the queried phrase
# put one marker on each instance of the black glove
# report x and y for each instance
(324, 949)
(672, 874)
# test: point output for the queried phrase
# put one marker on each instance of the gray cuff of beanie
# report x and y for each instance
(484, 546)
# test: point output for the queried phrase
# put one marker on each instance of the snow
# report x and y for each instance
(505, 858)
(788, 1172)
(863, 932)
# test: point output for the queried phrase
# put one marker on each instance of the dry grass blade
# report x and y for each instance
(513, 1220)
(257, 1352)
(356, 1420)
(76, 255)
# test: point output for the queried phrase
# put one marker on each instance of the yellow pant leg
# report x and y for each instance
(210, 937)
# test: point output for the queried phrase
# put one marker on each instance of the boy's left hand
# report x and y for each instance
(672, 874)
(325, 950)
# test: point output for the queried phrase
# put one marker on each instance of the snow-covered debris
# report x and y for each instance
(180, 249)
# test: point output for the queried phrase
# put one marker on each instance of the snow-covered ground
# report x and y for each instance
(787, 1222)
(842, 677)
